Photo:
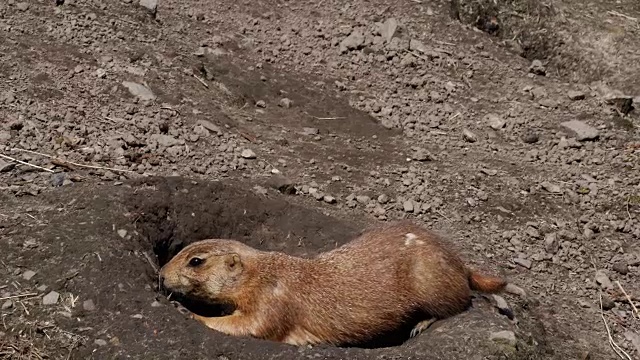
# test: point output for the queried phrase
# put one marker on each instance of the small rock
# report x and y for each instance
(581, 130)
(285, 103)
(282, 184)
(363, 199)
(421, 155)
(503, 306)
(537, 68)
(22, 6)
(550, 187)
(602, 278)
(165, 140)
(526, 263)
(156, 304)
(140, 91)
(150, 5)
(209, 126)
(122, 233)
(634, 339)
(309, 131)
(417, 45)
(6, 166)
(51, 298)
(57, 179)
(607, 302)
(329, 199)
(28, 275)
(494, 121)
(407, 206)
(551, 243)
(388, 29)
(469, 136)
(261, 104)
(5, 136)
(248, 154)
(383, 199)
(88, 305)
(7, 305)
(530, 138)
(504, 336)
(576, 95)
(621, 267)
(101, 73)
(352, 42)
(100, 342)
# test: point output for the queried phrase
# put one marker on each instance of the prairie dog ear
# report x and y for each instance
(233, 262)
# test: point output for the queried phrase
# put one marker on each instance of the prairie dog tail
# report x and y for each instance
(486, 284)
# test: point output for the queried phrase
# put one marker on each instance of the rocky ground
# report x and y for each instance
(508, 126)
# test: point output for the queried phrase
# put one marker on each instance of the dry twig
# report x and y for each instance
(25, 163)
(17, 296)
(67, 163)
(633, 306)
(201, 81)
(616, 348)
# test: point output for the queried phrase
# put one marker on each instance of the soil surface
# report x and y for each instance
(129, 129)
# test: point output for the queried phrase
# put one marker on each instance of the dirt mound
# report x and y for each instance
(111, 288)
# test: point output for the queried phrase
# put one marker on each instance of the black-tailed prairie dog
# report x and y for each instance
(385, 277)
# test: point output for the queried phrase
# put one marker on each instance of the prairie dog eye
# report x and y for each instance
(195, 261)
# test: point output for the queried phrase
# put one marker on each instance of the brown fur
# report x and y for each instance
(369, 285)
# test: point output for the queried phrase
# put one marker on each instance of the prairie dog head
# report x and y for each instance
(207, 269)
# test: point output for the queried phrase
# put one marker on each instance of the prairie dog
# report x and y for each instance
(372, 284)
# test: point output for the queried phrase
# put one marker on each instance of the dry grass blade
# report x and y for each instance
(25, 163)
(616, 348)
(67, 163)
(633, 306)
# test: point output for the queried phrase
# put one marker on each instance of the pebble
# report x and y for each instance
(6, 166)
(100, 342)
(51, 298)
(28, 275)
(261, 104)
(156, 304)
(607, 302)
(602, 278)
(621, 267)
(329, 199)
(7, 305)
(140, 91)
(165, 140)
(526, 263)
(550, 187)
(551, 243)
(285, 103)
(537, 68)
(57, 179)
(22, 6)
(581, 130)
(388, 29)
(150, 5)
(4, 136)
(494, 121)
(209, 126)
(122, 233)
(407, 205)
(309, 131)
(352, 42)
(88, 305)
(421, 155)
(469, 136)
(504, 336)
(503, 306)
(248, 154)
(576, 95)
(530, 138)
(383, 199)
(417, 45)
